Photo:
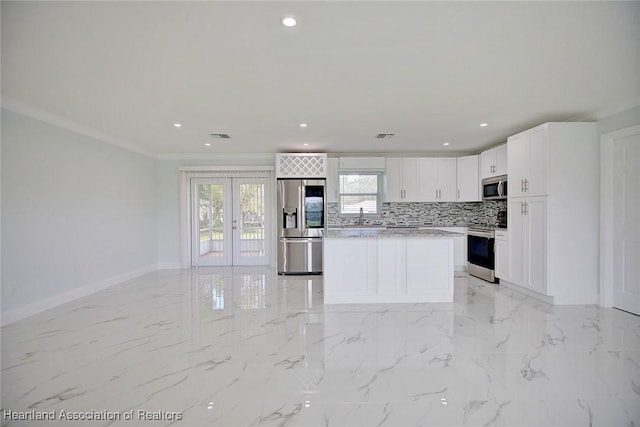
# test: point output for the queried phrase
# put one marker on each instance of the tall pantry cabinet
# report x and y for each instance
(553, 211)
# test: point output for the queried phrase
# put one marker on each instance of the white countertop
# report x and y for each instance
(387, 232)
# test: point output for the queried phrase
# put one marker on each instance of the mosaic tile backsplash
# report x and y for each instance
(450, 214)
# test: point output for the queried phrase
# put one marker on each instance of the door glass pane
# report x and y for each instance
(210, 219)
(252, 220)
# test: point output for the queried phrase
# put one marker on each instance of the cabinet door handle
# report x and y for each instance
(458, 194)
(521, 208)
(526, 208)
(526, 185)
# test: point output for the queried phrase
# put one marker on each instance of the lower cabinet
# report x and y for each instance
(528, 242)
(390, 269)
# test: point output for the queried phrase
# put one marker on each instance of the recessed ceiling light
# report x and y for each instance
(207, 144)
(484, 125)
(177, 125)
(303, 125)
(445, 143)
(289, 21)
(305, 144)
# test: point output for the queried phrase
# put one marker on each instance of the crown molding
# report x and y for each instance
(61, 122)
(266, 157)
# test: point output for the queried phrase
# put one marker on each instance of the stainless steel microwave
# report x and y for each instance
(494, 188)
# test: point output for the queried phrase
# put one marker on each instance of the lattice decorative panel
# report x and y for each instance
(305, 165)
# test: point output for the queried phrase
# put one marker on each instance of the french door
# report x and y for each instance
(230, 221)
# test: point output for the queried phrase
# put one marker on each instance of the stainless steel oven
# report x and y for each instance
(480, 253)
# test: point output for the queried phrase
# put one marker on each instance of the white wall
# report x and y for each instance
(168, 198)
(77, 215)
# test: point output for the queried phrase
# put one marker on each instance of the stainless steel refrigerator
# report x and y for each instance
(302, 221)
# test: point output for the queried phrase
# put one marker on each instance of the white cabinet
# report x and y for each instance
(437, 179)
(528, 242)
(553, 212)
(392, 273)
(362, 163)
(502, 255)
(388, 270)
(493, 162)
(401, 175)
(422, 253)
(350, 266)
(468, 178)
(332, 179)
(528, 158)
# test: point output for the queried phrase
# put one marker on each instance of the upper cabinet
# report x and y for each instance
(493, 162)
(468, 179)
(437, 179)
(529, 163)
(332, 179)
(401, 179)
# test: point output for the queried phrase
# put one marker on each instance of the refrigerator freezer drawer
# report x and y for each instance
(300, 256)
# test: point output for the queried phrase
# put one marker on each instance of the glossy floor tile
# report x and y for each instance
(237, 347)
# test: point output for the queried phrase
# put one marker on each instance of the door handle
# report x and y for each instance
(234, 227)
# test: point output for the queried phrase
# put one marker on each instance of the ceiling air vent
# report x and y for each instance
(385, 135)
(220, 136)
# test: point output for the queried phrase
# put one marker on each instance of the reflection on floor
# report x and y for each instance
(243, 347)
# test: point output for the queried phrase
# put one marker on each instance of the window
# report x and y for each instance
(359, 190)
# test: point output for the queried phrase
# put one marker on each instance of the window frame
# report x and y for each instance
(379, 194)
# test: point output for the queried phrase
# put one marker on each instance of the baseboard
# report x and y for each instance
(169, 266)
(39, 306)
(527, 292)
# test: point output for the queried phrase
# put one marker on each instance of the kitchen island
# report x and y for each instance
(388, 266)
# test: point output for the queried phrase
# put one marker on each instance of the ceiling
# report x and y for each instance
(429, 72)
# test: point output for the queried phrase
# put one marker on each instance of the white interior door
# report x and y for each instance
(627, 224)
(230, 218)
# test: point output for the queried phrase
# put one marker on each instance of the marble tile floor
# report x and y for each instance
(235, 347)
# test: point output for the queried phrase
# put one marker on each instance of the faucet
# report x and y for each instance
(361, 219)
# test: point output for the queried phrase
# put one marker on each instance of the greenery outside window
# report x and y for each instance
(360, 190)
